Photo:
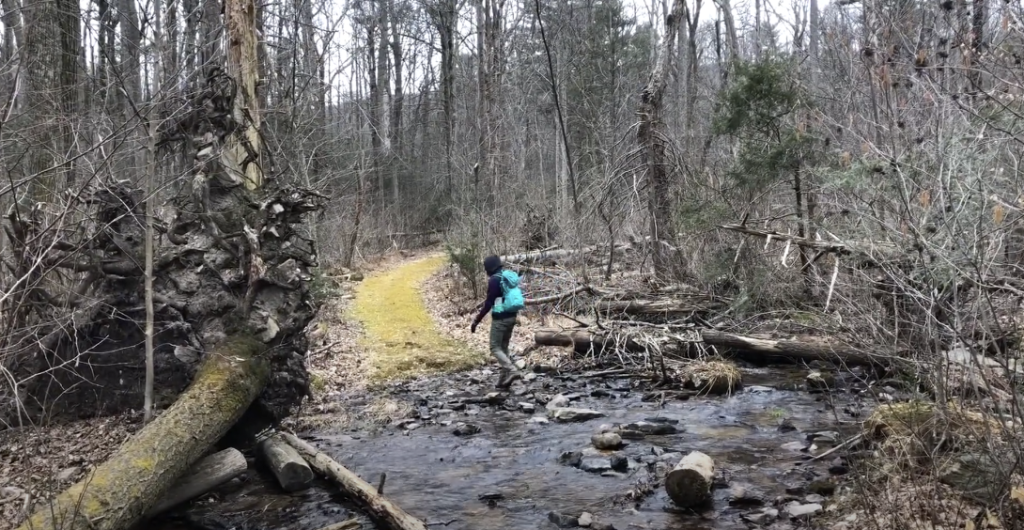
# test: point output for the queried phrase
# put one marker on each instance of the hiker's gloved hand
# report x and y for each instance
(472, 329)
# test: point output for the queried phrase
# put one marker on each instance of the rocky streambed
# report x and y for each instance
(574, 450)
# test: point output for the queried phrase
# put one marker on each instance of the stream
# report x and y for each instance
(510, 475)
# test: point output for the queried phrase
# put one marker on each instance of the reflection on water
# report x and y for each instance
(439, 477)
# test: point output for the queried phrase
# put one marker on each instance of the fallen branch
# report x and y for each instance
(826, 246)
(382, 509)
(789, 349)
(350, 524)
(115, 495)
(847, 443)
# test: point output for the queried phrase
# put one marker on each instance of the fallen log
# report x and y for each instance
(287, 465)
(669, 307)
(583, 340)
(123, 489)
(789, 349)
(545, 255)
(689, 483)
(825, 246)
(380, 508)
(558, 297)
(210, 472)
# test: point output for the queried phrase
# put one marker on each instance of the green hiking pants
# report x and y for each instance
(501, 334)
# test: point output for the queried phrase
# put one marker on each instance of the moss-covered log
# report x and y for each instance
(120, 491)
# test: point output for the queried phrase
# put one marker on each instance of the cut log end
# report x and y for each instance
(689, 483)
(290, 469)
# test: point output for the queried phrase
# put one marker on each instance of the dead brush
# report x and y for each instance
(918, 432)
(711, 377)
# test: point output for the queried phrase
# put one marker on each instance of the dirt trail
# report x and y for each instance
(400, 337)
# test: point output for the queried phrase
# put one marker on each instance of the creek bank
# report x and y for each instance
(459, 441)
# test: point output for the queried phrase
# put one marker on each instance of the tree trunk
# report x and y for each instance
(121, 490)
(651, 136)
(207, 474)
(49, 60)
(379, 507)
(397, 103)
(689, 483)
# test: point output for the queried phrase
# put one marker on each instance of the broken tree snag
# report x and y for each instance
(667, 307)
(206, 475)
(120, 491)
(762, 349)
(689, 483)
(383, 510)
(292, 472)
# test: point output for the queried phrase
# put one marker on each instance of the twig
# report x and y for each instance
(318, 351)
(604, 373)
(847, 443)
(380, 483)
(580, 322)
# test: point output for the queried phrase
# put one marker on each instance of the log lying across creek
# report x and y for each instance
(789, 349)
(141, 472)
(380, 508)
(752, 348)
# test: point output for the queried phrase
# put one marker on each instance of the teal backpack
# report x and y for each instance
(511, 300)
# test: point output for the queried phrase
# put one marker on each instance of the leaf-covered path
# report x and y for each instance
(400, 337)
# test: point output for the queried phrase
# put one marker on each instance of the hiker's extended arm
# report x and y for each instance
(493, 292)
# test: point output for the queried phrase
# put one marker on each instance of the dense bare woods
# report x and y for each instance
(856, 161)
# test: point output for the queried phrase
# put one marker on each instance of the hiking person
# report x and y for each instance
(504, 301)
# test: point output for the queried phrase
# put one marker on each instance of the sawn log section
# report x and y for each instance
(121, 490)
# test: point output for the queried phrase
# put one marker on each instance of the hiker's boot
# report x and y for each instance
(507, 377)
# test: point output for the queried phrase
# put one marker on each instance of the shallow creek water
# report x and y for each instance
(440, 477)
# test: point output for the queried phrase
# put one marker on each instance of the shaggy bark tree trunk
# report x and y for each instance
(651, 136)
(121, 490)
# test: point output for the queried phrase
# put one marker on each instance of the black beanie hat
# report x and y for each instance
(492, 264)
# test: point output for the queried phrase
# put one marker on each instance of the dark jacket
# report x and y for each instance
(493, 292)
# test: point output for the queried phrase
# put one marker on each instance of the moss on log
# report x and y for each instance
(121, 490)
